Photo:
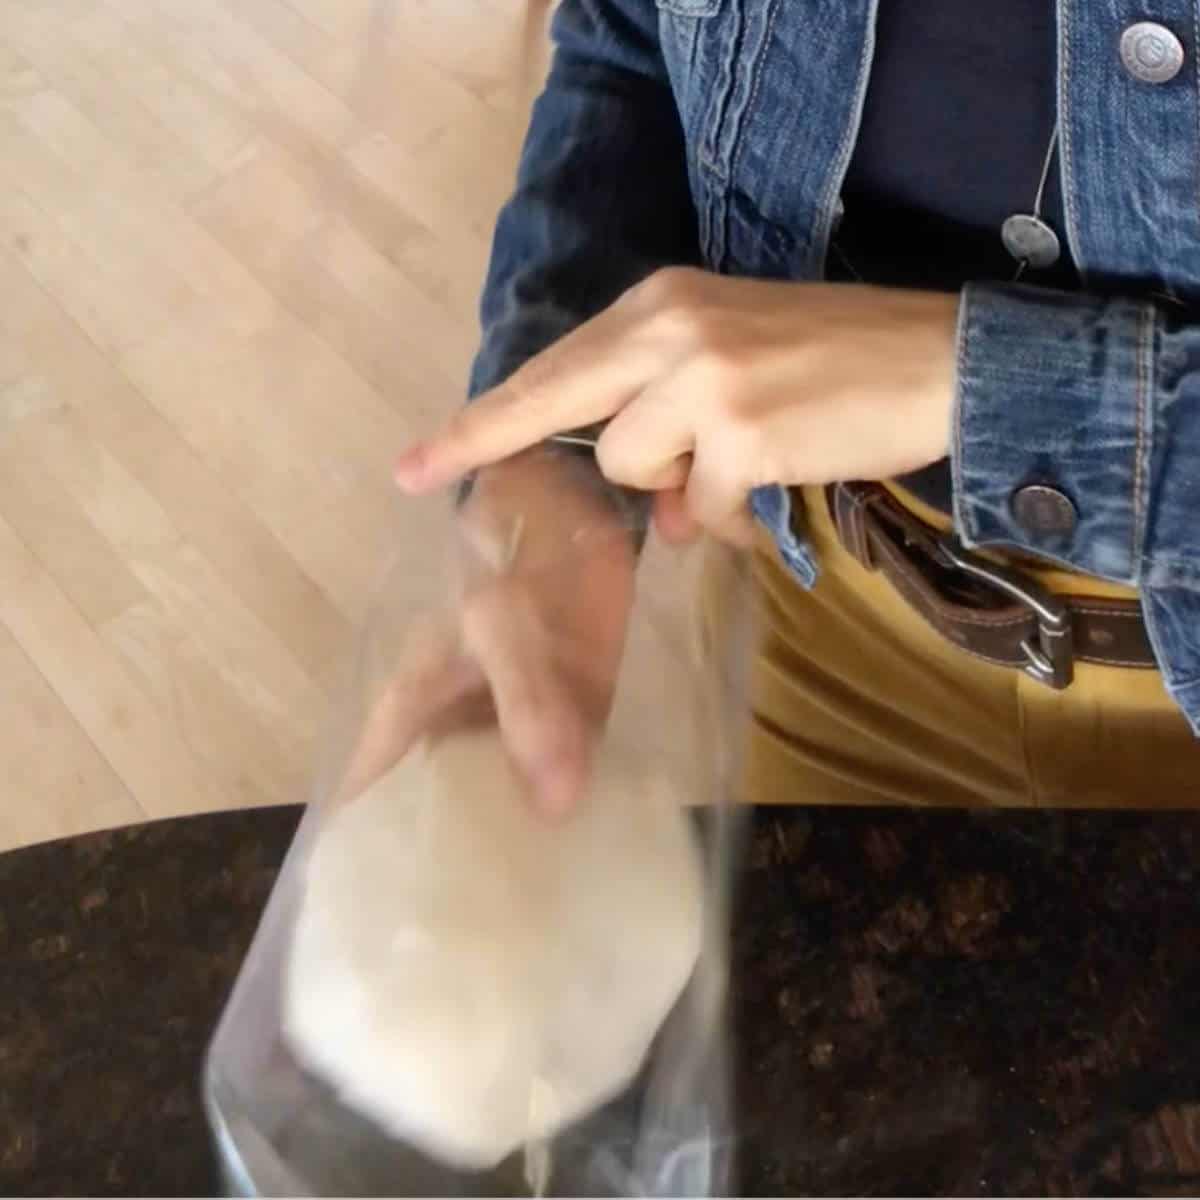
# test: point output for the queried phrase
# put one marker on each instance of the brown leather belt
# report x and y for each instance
(992, 612)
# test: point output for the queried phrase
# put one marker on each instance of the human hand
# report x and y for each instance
(713, 386)
(535, 641)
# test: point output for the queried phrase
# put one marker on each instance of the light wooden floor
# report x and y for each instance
(240, 245)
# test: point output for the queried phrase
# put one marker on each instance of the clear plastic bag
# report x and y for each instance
(282, 1126)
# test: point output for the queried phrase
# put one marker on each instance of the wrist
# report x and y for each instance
(942, 384)
(559, 498)
(558, 486)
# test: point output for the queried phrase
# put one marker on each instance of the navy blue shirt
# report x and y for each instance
(958, 119)
(663, 137)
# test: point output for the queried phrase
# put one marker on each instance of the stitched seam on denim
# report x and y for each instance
(706, 217)
(1066, 159)
(1141, 466)
(692, 42)
(681, 8)
(754, 89)
(841, 165)
(1173, 571)
(957, 466)
(1159, 646)
(1196, 56)
(723, 98)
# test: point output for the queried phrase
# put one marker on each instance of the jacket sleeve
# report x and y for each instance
(602, 201)
(1099, 398)
(602, 197)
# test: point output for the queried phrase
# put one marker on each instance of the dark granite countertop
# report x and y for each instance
(925, 1003)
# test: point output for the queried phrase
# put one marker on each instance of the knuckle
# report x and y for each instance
(673, 305)
(744, 435)
(667, 285)
(680, 305)
(608, 459)
(689, 321)
(622, 460)
(611, 456)
(733, 347)
(720, 370)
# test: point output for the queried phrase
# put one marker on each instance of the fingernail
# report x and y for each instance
(410, 467)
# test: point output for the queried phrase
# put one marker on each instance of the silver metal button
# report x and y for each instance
(1030, 241)
(1151, 52)
(1044, 511)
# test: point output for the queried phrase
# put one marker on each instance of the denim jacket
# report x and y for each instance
(718, 133)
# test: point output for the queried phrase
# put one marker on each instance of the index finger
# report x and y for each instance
(586, 377)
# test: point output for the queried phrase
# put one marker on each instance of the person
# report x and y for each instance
(899, 295)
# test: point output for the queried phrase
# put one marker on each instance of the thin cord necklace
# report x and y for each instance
(1027, 236)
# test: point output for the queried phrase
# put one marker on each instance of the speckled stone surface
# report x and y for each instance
(116, 953)
(924, 1003)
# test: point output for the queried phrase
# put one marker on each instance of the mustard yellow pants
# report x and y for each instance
(856, 700)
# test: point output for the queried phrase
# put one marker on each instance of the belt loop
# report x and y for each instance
(848, 503)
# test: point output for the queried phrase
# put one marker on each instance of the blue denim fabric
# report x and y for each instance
(718, 133)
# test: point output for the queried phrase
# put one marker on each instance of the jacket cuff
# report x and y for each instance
(772, 507)
(1055, 392)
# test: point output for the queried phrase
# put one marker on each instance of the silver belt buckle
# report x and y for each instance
(1050, 654)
